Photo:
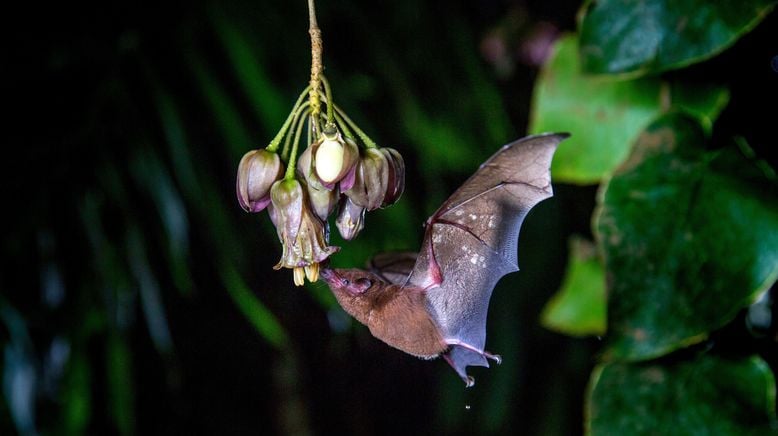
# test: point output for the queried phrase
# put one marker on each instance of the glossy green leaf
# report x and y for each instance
(690, 237)
(604, 117)
(705, 101)
(709, 395)
(578, 308)
(649, 36)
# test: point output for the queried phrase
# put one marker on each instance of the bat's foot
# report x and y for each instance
(468, 379)
(460, 355)
(495, 357)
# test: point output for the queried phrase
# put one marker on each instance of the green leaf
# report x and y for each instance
(254, 310)
(705, 101)
(604, 117)
(226, 115)
(77, 398)
(268, 103)
(690, 237)
(649, 36)
(709, 395)
(121, 389)
(578, 308)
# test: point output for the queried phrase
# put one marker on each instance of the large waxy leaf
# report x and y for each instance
(690, 237)
(709, 395)
(578, 309)
(605, 116)
(648, 36)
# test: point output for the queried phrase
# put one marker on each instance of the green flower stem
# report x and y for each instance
(366, 139)
(343, 126)
(293, 157)
(309, 135)
(328, 94)
(280, 135)
(295, 118)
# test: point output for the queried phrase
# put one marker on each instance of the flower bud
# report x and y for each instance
(304, 169)
(396, 176)
(302, 234)
(323, 200)
(351, 219)
(333, 157)
(257, 171)
(370, 180)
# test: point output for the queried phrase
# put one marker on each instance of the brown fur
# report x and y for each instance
(394, 314)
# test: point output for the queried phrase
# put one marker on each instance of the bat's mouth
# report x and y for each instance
(329, 275)
(325, 273)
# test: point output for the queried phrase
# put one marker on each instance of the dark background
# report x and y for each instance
(128, 264)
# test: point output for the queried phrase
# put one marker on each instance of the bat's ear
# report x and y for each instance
(361, 285)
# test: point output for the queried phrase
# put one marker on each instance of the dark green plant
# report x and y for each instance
(687, 232)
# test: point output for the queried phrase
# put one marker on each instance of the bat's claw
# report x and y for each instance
(496, 357)
(469, 381)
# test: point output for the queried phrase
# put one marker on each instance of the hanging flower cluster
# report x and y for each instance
(335, 172)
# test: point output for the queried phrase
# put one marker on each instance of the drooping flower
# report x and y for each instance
(370, 180)
(257, 171)
(396, 176)
(322, 200)
(351, 219)
(333, 159)
(302, 234)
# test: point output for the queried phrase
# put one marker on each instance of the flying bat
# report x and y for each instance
(435, 303)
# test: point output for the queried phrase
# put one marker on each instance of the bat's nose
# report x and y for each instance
(327, 273)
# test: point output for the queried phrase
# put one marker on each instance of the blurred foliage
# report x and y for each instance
(137, 297)
(578, 308)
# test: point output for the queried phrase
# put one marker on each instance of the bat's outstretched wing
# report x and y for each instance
(471, 242)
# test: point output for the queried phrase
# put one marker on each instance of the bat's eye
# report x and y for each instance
(346, 282)
(363, 285)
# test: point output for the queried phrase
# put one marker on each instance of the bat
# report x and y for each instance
(435, 303)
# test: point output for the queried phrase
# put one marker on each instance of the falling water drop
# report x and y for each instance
(467, 407)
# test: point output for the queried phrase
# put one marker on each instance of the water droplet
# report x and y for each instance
(467, 407)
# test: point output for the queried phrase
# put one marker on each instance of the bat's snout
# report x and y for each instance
(327, 273)
(333, 279)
